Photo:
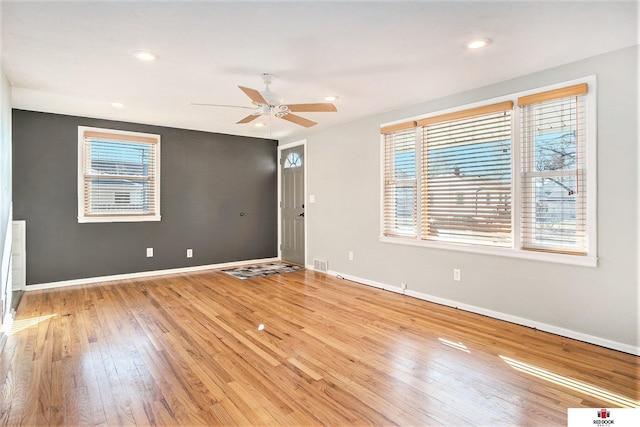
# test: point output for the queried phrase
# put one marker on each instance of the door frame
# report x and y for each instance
(302, 142)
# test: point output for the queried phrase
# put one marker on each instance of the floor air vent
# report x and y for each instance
(320, 265)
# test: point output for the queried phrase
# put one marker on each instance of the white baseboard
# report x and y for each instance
(367, 282)
(85, 281)
(568, 333)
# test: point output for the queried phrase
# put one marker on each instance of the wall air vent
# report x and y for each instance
(320, 265)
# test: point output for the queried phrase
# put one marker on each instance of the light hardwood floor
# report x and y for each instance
(188, 350)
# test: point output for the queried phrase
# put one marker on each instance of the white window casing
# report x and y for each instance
(118, 176)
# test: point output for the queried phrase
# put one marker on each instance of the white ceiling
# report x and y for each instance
(76, 57)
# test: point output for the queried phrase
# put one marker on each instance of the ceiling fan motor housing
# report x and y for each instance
(272, 98)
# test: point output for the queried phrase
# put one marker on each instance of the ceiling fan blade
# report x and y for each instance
(309, 108)
(223, 105)
(248, 119)
(299, 120)
(254, 95)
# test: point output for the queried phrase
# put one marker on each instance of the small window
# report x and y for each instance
(293, 160)
(118, 176)
(400, 182)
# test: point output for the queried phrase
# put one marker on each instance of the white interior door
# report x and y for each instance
(292, 205)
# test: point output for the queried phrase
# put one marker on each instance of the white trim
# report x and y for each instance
(85, 281)
(82, 218)
(383, 156)
(302, 142)
(292, 144)
(6, 275)
(568, 333)
(584, 261)
(379, 285)
(592, 167)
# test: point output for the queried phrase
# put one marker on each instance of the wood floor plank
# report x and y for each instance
(301, 348)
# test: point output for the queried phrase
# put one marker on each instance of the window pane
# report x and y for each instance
(467, 180)
(554, 178)
(555, 136)
(109, 194)
(293, 160)
(555, 211)
(118, 195)
(400, 194)
(119, 158)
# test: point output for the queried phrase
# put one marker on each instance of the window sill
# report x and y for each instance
(122, 218)
(584, 261)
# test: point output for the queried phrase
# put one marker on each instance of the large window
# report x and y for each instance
(496, 178)
(118, 176)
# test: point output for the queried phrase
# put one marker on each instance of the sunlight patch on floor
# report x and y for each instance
(572, 384)
(456, 345)
(22, 324)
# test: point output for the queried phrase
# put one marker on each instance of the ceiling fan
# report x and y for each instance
(270, 103)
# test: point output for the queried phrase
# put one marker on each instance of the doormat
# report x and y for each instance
(261, 270)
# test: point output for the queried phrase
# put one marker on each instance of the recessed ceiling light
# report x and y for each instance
(145, 55)
(259, 125)
(117, 104)
(477, 43)
(331, 98)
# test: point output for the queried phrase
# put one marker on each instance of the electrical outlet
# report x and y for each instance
(149, 252)
(457, 275)
(189, 253)
(350, 255)
(403, 286)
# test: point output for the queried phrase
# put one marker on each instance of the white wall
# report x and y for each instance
(595, 304)
(5, 193)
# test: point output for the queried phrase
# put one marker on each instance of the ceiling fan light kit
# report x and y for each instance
(270, 103)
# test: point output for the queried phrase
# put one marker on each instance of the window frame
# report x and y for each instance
(516, 250)
(105, 217)
(391, 183)
(536, 108)
(473, 123)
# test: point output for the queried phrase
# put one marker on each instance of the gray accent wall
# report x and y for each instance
(343, 173)
(207, 181)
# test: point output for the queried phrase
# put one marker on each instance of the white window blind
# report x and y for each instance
(119, 176)
(400, 180)
(497, 180)
(466, 176)
(554, 190)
